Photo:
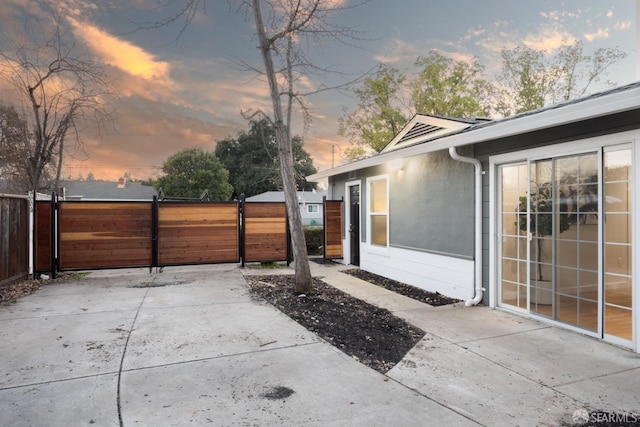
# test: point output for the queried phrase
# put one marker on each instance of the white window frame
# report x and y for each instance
(315, 210)
(376, 249)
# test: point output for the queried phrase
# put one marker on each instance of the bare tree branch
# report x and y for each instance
(286, 30)
(61, 87)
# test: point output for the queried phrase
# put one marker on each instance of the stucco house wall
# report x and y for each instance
(430, 222)
(432, 229)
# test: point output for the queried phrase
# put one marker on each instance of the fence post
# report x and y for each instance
(55, 226)
(242, 225)
(154, 233)
(289, 247)
(324, 229)
(33, 237)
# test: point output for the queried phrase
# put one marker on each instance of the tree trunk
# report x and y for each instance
(301, 258)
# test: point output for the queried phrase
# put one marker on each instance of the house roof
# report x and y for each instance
(278, 196)
(106, 190)
(618, 100)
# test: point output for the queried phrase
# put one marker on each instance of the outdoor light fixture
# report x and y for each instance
(395, 164)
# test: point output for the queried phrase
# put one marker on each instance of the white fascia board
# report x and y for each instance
(616, 102)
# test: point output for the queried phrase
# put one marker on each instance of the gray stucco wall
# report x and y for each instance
(430, 203)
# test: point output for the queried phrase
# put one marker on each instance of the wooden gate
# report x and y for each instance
(77, 235)
(198, 233)
(332, 229)
(44, 236)
(96, 235)
(265, 232)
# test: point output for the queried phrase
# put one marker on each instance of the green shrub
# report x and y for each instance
(314, 236)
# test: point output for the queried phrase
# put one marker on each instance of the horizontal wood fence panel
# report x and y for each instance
(198, 234)
(95, 234)
(43, 228)
(105, 235)
(265, 232)
(333, 229)
(14, 239)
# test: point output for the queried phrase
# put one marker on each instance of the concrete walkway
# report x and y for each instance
(498, 368)
(192, 346)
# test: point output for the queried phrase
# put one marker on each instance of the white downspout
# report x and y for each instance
(478, 224)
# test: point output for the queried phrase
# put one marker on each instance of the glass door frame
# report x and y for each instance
(591, 145)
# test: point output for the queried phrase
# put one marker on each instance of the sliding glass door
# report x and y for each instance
(565, 240)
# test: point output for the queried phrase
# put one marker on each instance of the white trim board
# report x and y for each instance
(449, 276)
(346, 241)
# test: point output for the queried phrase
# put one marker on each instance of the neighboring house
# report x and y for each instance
(310, 203)
(531, 213)
(106, 190)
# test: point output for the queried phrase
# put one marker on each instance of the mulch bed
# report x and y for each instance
(432, 298)
(9, 294)
(369, 334)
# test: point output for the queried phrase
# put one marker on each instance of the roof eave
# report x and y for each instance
(615, 102)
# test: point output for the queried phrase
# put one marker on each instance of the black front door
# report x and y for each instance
(354, 223)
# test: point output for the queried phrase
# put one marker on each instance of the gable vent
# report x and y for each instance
(418, 130)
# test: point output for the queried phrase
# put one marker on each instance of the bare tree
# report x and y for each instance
(293, 25)
(14, 148)
(285, 30)
(60, 88)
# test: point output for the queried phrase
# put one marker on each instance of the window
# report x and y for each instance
(313, 209)
(378, 211)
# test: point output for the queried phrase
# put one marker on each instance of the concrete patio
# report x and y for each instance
(192, 346)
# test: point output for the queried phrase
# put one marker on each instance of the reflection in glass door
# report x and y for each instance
(574, 236)
(560, 257)
(513, 237)
(617, 244)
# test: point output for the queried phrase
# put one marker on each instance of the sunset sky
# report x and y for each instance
(189, 92)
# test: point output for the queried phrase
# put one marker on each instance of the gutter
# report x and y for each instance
(478, 291)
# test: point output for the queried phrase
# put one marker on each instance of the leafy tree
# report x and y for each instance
(379, 116)
(534, 78)
(442, 86)
(446, 87)
(188, 173)
(62, 87)
(252, 160)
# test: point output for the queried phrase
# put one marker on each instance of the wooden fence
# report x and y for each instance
(96, 235)
(14, 239)
(79, 235)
